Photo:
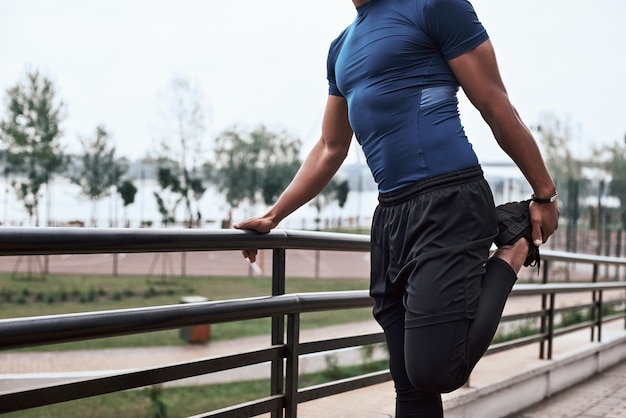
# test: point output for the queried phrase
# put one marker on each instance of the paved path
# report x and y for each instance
(602, 396)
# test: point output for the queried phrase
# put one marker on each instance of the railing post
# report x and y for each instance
(542, 329)
(278, 323)
(542, 326)
(551, 325)
(546, 267)
(291, 377)
(599, 323)
(594, 279)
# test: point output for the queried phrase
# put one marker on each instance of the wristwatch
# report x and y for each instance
(549, 199)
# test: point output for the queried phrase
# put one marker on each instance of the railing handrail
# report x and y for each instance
(51, 329)
(68, 240)
(73, 240)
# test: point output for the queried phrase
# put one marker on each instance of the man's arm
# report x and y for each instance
(315, 173)
(479, 76)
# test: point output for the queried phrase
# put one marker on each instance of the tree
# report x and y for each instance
(616, 166)
(253, 165)
(335, 191)
(31, 136)
(276, 177)
(182, 149)
(97, 170)
(127, 191)
(170, 186)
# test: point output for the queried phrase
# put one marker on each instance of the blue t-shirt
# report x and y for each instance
(391, 66)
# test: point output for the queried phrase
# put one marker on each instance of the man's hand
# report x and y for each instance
(258, 224)
(544, 218)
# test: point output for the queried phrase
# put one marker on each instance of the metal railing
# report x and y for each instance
(285, 309)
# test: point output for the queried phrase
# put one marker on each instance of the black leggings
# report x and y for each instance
(436, 296)
(429, 360)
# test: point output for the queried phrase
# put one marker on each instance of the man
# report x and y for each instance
(393, 76)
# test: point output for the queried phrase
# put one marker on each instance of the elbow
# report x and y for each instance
(337, 155)
(336, 148)
(499, 115)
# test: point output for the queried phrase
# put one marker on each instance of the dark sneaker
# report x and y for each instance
(513, 224)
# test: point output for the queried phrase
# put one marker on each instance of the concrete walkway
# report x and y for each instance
(602, 396)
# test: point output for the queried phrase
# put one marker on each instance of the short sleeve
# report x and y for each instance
(333, 53)
(454, 26)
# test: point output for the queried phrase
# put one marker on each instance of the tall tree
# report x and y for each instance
(183, 147)
(254, 165)
(616, 167)
(31, 137)
(127, 191)
(335, 191)
(97, 170)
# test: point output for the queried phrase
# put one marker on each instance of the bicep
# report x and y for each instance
(336, 129)
(478, 74)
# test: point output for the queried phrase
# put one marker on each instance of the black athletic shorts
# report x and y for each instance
(430, 241)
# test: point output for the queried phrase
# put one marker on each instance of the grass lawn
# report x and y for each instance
(58, 294)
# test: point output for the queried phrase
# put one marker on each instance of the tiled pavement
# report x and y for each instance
(602, 396)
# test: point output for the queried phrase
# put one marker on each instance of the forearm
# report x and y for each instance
(315, 173)
(517, 141)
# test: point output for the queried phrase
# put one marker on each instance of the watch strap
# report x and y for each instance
(548, 199)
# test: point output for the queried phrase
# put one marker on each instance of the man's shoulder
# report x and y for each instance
(335, 45)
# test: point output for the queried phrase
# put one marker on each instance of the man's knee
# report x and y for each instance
(435, 380)
(437, 373)
(436, 358)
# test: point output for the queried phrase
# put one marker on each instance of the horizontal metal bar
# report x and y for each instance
(539, 289)
(573, 328)
(67, 240)
(341, 386)
(49, 240)
(524, 315)
(22, 332)
(507, 345)
(581, 258)
(31, 398)
(339, 343)
(574, 308)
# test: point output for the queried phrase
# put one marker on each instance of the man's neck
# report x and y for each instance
(358, 3)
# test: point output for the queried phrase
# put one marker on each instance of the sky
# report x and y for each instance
(263, 62)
